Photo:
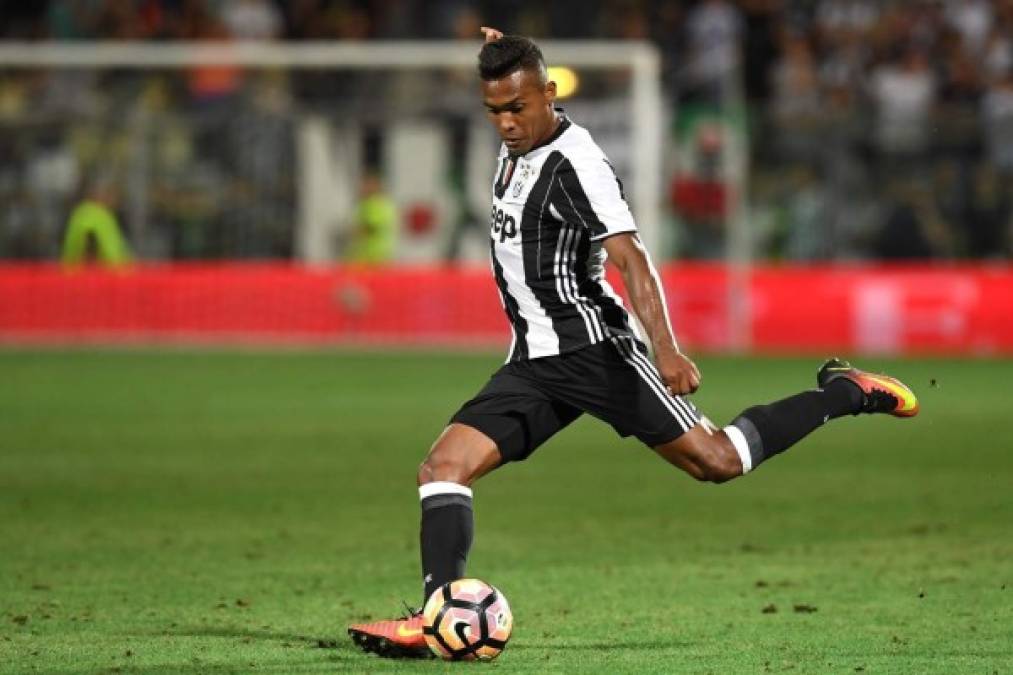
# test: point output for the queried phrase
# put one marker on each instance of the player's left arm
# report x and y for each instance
(643, 285)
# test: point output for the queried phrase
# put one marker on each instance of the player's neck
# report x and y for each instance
(557, 119)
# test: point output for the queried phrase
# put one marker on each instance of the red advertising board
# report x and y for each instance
(896, 309)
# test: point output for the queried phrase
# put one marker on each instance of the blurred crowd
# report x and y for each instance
(878, 128)
(891, 127)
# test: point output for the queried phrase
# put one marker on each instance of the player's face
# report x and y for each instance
(520, 108)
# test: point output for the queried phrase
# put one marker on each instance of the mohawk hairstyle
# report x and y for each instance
(509, 54)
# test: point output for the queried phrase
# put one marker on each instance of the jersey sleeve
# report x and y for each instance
(589, 193)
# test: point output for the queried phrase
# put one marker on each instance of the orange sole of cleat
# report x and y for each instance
(381, 646)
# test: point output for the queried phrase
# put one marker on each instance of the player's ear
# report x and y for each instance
(550, 92)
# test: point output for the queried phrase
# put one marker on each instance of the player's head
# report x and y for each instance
(517, 92)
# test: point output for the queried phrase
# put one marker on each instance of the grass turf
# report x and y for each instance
(232, 512)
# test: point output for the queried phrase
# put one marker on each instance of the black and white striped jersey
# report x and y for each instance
(552, 207)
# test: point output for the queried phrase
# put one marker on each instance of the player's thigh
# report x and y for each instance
(617, 383)
(515, 414)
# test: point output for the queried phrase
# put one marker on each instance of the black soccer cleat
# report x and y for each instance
(880, 393)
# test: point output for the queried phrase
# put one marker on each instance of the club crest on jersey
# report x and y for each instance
(522, 177)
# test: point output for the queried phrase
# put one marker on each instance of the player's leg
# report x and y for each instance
(506, 422)
(459, 457)
(704, 452)
(763, 431)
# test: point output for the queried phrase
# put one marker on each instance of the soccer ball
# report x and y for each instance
(467, 619)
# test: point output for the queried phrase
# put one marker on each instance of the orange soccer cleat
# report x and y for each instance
(882, 393)
(395, 639)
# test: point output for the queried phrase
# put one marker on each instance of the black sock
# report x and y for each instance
(773, 428)
(446, 533)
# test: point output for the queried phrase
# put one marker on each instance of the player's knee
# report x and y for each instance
(712, 474)
(460, 455)
(721, 474)
(442, 466)
(720, 466)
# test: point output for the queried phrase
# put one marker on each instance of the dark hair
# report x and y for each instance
(509, 54)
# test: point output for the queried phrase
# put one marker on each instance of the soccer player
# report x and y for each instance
(557, 212)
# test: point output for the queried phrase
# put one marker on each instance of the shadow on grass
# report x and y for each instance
(316, 653)
(333, 654)
(320, 642)
(646, 645)
(276, 666)
(342, 645)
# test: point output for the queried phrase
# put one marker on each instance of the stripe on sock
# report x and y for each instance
(443, 488)
(439, 501)
(753, 440)
(738, 439)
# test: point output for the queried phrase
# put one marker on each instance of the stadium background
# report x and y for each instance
(232, 302)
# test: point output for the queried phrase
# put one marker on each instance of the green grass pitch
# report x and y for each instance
(195, 512)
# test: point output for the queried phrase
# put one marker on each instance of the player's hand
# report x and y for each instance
(678, 372)
(491, 34)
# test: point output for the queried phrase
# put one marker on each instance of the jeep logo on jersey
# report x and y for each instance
(503, 224)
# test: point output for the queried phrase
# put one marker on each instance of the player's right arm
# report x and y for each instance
(643, 285)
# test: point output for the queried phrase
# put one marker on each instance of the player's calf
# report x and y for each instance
(764, 431)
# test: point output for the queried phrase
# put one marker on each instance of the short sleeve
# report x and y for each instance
(589, 192)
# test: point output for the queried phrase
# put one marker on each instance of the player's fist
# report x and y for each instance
(491, 34)
(677, 371)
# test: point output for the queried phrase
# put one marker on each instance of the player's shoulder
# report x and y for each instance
(577, 145)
